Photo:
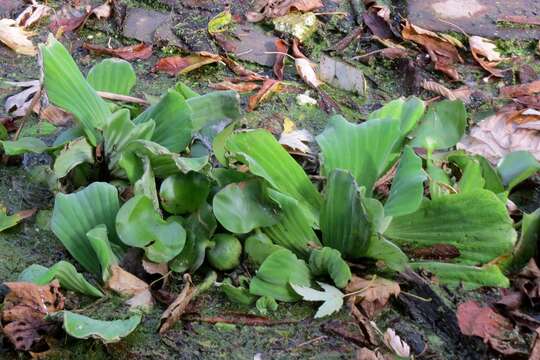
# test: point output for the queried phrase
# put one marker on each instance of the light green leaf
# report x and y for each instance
(112, 75)
(9, 221)
(442, 127)
(184, 193)
(99, 240)
(213, 107)
(64, 272)
(327, 261)
(218, 145)
(146, 185)
(42, 128)
(220, 22)
(68, 89)
(266, 304)
(408, 112)
(24, 145)
(242, 207)
(238, 294)
(345, 225)
(469, 277)
(77, 213)
(491, 178)
(75, 153)
(476, 223)
(258, 247)
(439, 181)
(83, 327)
(386, 251)
(139, 225)
(268, 159)
(407, 187)
(332, 297)
(527, 246)
(275, 275)
(517, 167)
(471, 178)
(366, 150)
(185, 90)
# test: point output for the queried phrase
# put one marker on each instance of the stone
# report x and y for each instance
(141, 24)
(10, 8)
(341, 75)
(476, 17)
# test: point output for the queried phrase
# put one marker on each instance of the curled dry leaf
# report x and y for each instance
(486, 54)
(373, 294)
(295, 139)
(173, 313)
(394, 343)
(514, 91)
(269, 87)
(441, 50)
(306, 70)
(132, 52)
(126, 284)
(16, 38)
(176, 65)
(32, 13)
(269, 9)
(242, 72)
(154, 268)
(463, 93)
(19, 104)
(282, 48)
(241, 87)
(56, 116)
(24, 310)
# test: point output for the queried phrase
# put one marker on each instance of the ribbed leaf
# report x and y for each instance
(75, 153)
(99, 240)
(24, 145)
(527, 246)
(366, 150)
(327, 261)
(476, 223)
(407, 187)
(408, 112)
(83, 327)
(68, 89)
(258, 247)
(268, 159)
(64, 272)
(516, 167)
(386, 251)
(146, 185)
(345, 225)
(213, 107)
(112, 75)
(77, 213)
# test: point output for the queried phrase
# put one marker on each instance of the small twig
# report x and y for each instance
(160, 278)
(367, 54)
(124, 98)
(341, 13)
(454, 25)
(311, 341)
(280, 53)
(416, 296)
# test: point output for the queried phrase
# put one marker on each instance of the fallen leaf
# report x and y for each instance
(436, 252)
(267, 89)
(69, 21)
(31, 14)
(299, 26)
(514, 91)
(19, 104)
(154, 268)
(373, 294)
(520, 19)
(377, 19)
(528, 281)
(24, 310)
(282, 48)
(442, 52)
(463, 93)
(220, 22)
(132, 52)
(295, 139)
(306, 70)
(535, 352)
(176, 65)
(332, 298)
(239, 70)
(173, 313)
(527, 74)
(16, 38)
(486, 54)
(493, 328)
(496, 136)
(241, 87)
(394, 343)
(269, 9)
(56, 116)
(126, 284)
(103, 11)
(530, 101)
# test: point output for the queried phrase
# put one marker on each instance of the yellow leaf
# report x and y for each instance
(16, 37)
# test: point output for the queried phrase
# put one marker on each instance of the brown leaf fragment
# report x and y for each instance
(239, 70)
(436, 252)
(528, 281)
(378, 24)
(373, 294)
(463, 93)
(176, 65)
(520, 19)
(32, 14)
(241, 319)
(514, 91)
(511, 300)
(535, 352)
(19, 104)
(527, 74)
(530, 101)
(132, 52)
(56, 116)
(173, 313)
(267, 89)
(16, 38)
(126, 284)
(270, 9)
(102, 11)
(493, 328)
(486, 54)
(67, 22)
(241, 87)
(348, 40)
(370, 333)
(282, 48)
(155, 268)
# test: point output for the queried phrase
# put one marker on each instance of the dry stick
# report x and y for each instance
(367, 54)
(124, 98)
(454, 25)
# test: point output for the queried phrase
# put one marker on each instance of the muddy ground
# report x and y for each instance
(429, 327)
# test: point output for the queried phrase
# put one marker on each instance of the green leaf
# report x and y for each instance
(275, 275)
(407, 187)
(9, 221)
(408, 112)
(527, 246)
(366, 150)
(268, 159)
(242, 207)
(139, 225)
(184, 193)
(77, 213)
(173, 118)
(64, 272)
(220, 140)
(213, 107)
(75, 153)
(442, 127)
(476, 223)
(471, 178)
(258, 247)
(146, 185)
(332, 298)
(99, 240)
(185, 90)
(469, 277)
(42, 128)
(83, 327)
(516, 167)
(491, 178)
(112, 75)
(266, 304)
(327, 261)
(439, 181)
(238, 294)
(220, 22)
(294, 230)
(68, 89)
(345, 225)
(383, 250)
(24, 145)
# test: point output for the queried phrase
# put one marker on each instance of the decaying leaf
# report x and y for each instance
(132, 52)
(56, 116)
(282, 47)
(241, 87)
(127, 284)
(377, 19)
(24, 310)
(442, 52)
(16, 38)
(295, 139)
(494, 329)
(485, 53)
(176, 65)
(32, 13)
(69, 21)
(243, 73)
(497, 136)
(306, 70)
(463, 93)
(373, 294)
(332, 298)
(514, 91)
(8, 221)
(269, 9)
(102, 11)
(269, 87)
(394, 343)
(154, 268)
(19, 104)
(366, 354)
(528, 281)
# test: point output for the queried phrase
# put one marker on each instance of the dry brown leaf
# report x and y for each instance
(242, 72)
(178, 307)
(520, 19)
(269, 9)
(377, 19)
(374, 293)
(269, 87)
(127, 284)
(366, 354)
(68, 21)
(394, 343)
(19, 104)
(295, 139)
(306, 70)
(154, 268)
(486, 54)
(16, 38)
(463, 93)
(535, 352)
(497, 136)
(132, 52)
(176, 65)
(56, 116)
(514, 91)
(24, 309)
(442, 52)
(282, 48)
(530, 101)
(32, 13)
(241, 87)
